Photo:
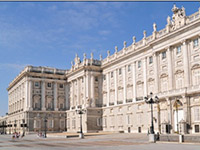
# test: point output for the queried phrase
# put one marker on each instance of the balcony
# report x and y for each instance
(129, 100)
(119, 102)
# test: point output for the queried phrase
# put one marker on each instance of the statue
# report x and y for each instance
(100, 56)
(91, 56)
(125, 44)
(134, 38)
(108, 52)
(116, 49)
(168, 20)
(72, 63)
(145, 34)
(154, 27)
(84, 56)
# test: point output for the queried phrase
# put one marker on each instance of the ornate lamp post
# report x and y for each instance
(81, 112)
(15, 125)
(45, 127)
(150, 100)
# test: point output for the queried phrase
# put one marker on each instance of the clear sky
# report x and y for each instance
(51, 33)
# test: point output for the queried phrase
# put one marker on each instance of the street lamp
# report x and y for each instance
(15, 125)
(150, 100)
(45, 127)
(81, 112)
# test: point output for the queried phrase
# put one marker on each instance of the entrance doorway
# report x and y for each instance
(178, 114)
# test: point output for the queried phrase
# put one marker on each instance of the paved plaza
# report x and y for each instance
(100, 142)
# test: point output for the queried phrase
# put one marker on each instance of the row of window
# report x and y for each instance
(36, 84)
(178, 51)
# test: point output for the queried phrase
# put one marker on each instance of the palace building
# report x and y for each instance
(111, 91)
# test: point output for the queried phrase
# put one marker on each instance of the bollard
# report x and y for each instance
(181, 138)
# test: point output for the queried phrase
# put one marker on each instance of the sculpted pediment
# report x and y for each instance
(195, 66)
(179, 71)
(164, 75)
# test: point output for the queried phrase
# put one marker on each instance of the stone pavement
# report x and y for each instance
(115, 141)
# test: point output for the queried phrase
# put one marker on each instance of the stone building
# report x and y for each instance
(111, 91)
(35, 94)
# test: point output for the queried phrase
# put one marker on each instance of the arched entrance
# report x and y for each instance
(178, 114)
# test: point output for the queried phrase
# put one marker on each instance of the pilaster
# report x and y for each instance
(124, 83)
(55, 96)
(108, 88)
(92, 92)
(145, 76)
(170, 71)
(155, 62)
(186, 64)
(134, 82)
(43, 96)
(30, 95)
(115, 82)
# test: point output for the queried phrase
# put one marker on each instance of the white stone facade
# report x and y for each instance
(112, 90)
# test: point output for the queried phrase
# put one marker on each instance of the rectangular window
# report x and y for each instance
(61, 86)
(139, 64)
(111, 74)
(104, 77)
(150, 60)
(96, 79)
(196, 114)
(178, 50)
(164, 55)
(48, 84)
(120, 71)
(36, 84)
(129, 68)
(196, 128)
(195, 43)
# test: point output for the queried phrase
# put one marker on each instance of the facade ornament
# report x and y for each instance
(154, 27)
(92, 56)
(144, 33)
(168, 20)
(100, 57)
(108, 53)
(125, 44)
(134, 39)
(116, 49)
(72, 63)
(84, 56)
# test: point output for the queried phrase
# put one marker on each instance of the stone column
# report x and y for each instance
(26, 95)
(93, 101)
(169, 112)
(170, 68)
(78, 92)
(115, 80)
(55, 97)
(67, 103)
(145, 76)
(43, 96)
(85, 92)
(72, 94)
(108, 88)
(124, 83)
(134, 82)
(30, 95)
(186, 64)
(156, 70)
(186, 109)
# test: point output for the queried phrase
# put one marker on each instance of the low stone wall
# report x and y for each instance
(175, 138)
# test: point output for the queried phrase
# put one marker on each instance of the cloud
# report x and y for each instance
(16, 67)
(104, 32)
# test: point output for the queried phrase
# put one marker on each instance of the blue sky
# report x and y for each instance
(51, 33)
